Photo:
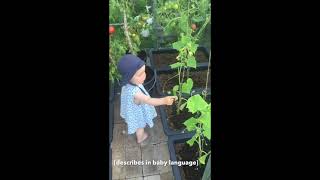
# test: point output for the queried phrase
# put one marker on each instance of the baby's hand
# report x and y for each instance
(170, 99)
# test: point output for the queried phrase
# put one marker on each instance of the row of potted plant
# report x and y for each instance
(188, 122)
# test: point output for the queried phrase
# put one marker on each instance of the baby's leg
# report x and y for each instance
(141, 135)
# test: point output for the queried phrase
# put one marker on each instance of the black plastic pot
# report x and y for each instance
(167, 68)
(172, 140)
(194, 91)
(111, 121)
(166, 128)
(150, 83)
(173, 157)
(143, 55)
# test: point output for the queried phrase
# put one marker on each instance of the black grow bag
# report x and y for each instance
(163, 114)
(172, 140)
(173, 157)
(194, 90)
(166, 128)
(164, 119)
(166, 68)
(150, 82)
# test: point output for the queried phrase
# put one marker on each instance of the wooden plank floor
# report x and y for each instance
(125, 148)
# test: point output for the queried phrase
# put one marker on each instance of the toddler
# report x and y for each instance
(136, 105)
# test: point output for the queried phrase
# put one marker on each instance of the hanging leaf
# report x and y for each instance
(192, 140)
(177, 45)
(202, 159)
(182, 106)
(191, 124)
(207, 132)
(175, 89)
(205, 119)
(176, 65)
(187, 87)
(192, 62)
(196, 103)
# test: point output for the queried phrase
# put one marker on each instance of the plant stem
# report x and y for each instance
(126, 31)
(204, 25)
(112, 61)
(116, 24)
(165, 83)
(171, 21)
(206, 89)
(199, 143)
(184, 99)
(178, 109)
(180, 90)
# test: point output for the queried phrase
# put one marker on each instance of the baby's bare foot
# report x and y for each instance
(145, 136)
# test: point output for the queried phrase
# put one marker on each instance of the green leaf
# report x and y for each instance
(192, 62)
(187, 87)
(175, 89)
(175, 65)
(194, 47)
(207, 132)
(196, 103)
(205, 118)
(182, 106)
(177, 45)
(192, 140)
(198, 19)
(202, 159)
(191, 124)
(185, 40)
(183, 24)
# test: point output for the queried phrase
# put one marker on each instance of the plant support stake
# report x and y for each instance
(205, 90)
(126, 30)
(117, 24)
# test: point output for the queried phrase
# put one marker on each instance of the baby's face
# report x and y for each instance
(139, 76)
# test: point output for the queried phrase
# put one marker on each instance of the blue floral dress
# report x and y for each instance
(135, 115)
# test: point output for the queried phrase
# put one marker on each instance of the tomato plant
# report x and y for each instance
(186, 45)
(173, 11)
(133, 21)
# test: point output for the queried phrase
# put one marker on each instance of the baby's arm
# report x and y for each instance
(139, 97)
